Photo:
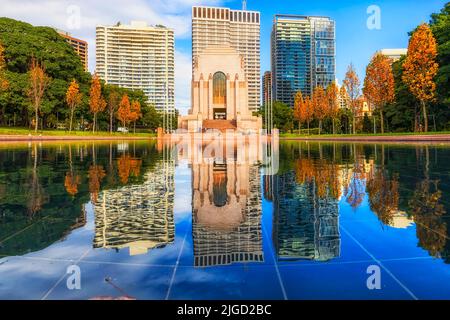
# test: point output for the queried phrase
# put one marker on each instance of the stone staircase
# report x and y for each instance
(221, 125)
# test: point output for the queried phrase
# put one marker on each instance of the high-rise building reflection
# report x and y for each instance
(138, 216)
(305, 196)
(226, 202)
(306, 226)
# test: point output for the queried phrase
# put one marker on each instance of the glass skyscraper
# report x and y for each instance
(303, 55)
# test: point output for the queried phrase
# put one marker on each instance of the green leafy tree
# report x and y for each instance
(440, 26)
(402, 114)
(283, 116)
(151, 118)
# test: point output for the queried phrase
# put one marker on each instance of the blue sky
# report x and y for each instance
(355, 42)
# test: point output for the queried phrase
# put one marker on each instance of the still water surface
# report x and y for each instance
(144, 221)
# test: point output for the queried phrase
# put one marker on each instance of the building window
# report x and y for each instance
(219, 88)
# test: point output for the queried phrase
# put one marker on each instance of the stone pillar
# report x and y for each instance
(200, 94)
(237, 106)
(209, 108)
(229, 103)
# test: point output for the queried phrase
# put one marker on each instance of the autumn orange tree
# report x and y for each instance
(319, 101)
(73, 99)
(135, 113)
(379, 84)
(420, 68)
(308, 111)
(38, 82)
(124, 111)
(299, 106)
(352, 86)
(113, 104)
(332, 96)
(96, 102)
(343, 96)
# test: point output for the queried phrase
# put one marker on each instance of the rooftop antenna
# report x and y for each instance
(244, 5)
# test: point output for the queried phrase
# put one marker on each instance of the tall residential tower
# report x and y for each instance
(138, 56)
(80, 47)
(238, 29)
(303, 55)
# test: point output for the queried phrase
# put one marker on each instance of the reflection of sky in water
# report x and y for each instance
(408, 270)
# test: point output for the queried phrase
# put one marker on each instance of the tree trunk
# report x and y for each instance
(320, 127)
(334, 129)
(354, 125)
(71, 120)
(425, 115)
(374, 125)
(308, 128)
(110, 122)
(382, 121)
(36, 119)
(134, 129)
(93, 125)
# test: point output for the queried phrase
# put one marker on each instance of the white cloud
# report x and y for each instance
(175, 14)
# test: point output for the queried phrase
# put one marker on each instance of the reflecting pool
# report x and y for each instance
(153, 220)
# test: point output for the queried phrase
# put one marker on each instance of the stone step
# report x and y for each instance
(219, 124)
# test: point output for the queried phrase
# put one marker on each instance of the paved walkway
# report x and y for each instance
(69, 138)
(401, 138)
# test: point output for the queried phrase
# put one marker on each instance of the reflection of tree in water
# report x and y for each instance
(383, 195)
(398, 201)
(36, 195)
(427, 210)
(128, 166)
(324, 173)
(43, 191)
(306, 212)
(356, 189)
(96, 174)
(71, 181)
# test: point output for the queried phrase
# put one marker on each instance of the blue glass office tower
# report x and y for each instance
(303, 55)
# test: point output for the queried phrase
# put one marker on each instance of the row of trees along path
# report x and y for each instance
(125, 111)
(419, 70)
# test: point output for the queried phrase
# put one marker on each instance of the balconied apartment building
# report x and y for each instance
(138, 56)
(239, 29)
(80, 47)
(303, 55)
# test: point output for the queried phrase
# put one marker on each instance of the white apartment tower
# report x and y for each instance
(138, 56)
(239, 29)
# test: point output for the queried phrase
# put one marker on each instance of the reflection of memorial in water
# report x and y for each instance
(306, 226)
(226, 203)
(139, 217)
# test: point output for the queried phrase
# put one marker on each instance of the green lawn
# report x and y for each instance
(25, 131)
